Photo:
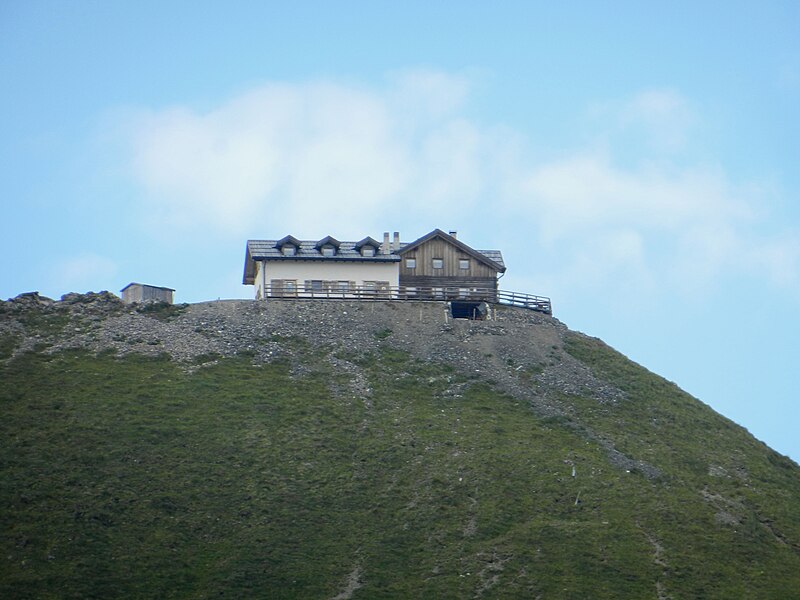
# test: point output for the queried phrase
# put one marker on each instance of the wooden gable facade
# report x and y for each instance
(439, 263)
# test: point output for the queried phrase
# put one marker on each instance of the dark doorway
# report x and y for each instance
(476, 311)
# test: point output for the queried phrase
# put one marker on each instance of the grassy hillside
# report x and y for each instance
(369, 471)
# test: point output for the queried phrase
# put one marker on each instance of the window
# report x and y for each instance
(367, 251)
(463, 264)
(411, 263)
(438, 263)
(314, 285)
(288, 250)
(380, 287)
(283, 287)
(328, 251)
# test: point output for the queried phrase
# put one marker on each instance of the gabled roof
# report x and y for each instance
(289, 239)
(492, 258)
(327, 241)
(367, 241)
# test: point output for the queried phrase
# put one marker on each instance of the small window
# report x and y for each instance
(288, 250)
(328, 251)
(344, 286)
(283, 287)
(438, 263)
(314, 285)
(463, 264)
(367, 251)
(411, 263)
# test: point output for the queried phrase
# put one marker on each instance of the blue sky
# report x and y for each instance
(638, 163)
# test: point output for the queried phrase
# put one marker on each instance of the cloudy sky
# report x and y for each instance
(639, 164)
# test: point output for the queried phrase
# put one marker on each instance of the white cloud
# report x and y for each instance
(325, 157)
(309, 156)
(587, 190)
(690, 226)
(665, 114)
(651, 122)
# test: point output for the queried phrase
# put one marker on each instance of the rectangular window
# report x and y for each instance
(283, 287)
(313, 285)
(328, 251)
(463, 264)
(367, 251)
(411, 263)
(438, 263)
(288, 250)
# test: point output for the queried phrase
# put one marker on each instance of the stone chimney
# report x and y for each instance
(385, 248)
(396, 242)
(453, 233)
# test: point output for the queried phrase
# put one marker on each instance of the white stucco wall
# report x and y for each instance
(358, 272)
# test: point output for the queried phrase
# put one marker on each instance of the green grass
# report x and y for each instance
(8, 343)
(131, 478)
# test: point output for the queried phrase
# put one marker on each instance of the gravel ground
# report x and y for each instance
(519, 351)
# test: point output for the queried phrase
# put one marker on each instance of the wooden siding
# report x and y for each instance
(450, 255)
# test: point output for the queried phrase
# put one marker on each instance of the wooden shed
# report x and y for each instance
(140, 292)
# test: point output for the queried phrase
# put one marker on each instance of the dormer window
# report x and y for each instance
(288, 246)
(367, 247)
(327, 246)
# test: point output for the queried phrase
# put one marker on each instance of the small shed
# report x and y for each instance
(139, 292)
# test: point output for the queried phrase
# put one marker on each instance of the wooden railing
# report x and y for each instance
(369, 293)
(537, 303)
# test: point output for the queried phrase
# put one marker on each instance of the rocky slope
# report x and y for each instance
(509, 457)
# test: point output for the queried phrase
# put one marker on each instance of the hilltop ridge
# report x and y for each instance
(369, 449)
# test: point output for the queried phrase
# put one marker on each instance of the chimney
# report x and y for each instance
(385, 249)
(396, 243)
(453, 233)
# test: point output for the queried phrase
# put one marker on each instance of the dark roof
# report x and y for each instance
(310, 250)
(491, 258)
(327, 241)
(351, 252)
(144, 285)
(289, 239)
(367, 241)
